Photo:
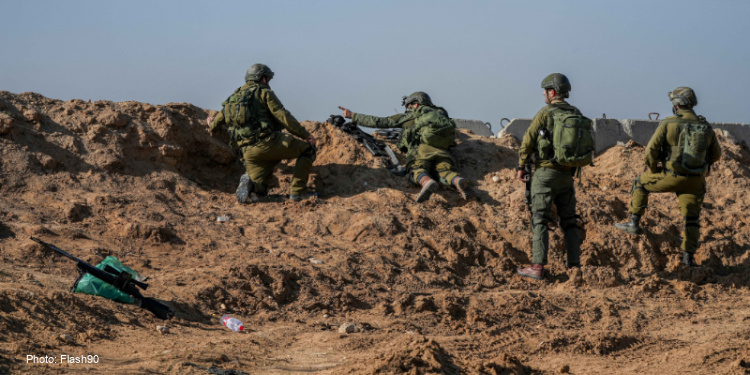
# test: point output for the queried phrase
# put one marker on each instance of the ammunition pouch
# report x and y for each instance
(409, 140)
(247, 136)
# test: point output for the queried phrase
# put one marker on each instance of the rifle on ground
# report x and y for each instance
(372, 145)
(120, 280)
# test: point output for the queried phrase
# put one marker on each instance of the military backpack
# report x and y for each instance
(244, 118)
(572, 139)
(435, 127)
(237, 110)
(689, 155)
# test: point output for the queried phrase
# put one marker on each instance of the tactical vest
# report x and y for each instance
(688, 156)
(249, 120)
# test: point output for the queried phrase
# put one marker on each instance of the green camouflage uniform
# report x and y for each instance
(690, 188)
(262, 153)
(551, 183)
(421, 159)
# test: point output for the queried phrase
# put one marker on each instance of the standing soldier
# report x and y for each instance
(428, 132)
(548, 138)
(255, 118)
(678, 157)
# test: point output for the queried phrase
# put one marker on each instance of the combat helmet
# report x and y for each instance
(683, 96)
(420, 97)
(258, 71)
(559, 82)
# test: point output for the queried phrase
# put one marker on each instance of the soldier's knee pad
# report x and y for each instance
(539, 219)
(310, 153)
(638, 185)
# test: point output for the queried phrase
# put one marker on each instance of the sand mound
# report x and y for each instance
(432, 286)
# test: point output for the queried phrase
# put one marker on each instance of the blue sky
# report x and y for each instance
(481, 60)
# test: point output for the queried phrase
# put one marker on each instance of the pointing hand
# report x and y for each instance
(347, 113)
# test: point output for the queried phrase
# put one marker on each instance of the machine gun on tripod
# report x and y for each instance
(375, 147)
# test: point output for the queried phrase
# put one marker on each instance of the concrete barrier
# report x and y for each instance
(478, 127)
(516, 127)
(608, 132)
(740, 132)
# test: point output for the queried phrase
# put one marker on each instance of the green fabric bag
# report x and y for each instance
(237, 109)
(436, 128)
(89, 284)
(572, 138)
(689, 155)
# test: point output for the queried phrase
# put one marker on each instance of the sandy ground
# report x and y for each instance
(428, 289)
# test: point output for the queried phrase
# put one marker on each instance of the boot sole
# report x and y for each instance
(531, 277)
(466, 191)
(463, 193)
(427, 191)
(468, 195)
(301, 197)
(243, 191)
(630, 231)
(690, 264)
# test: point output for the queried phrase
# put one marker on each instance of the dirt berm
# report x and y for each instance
(428, 289)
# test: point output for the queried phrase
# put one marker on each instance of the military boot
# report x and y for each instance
(688, 259)
(465, 189)
(303, 196)
(428, 187)
(535, 271)
(245, 189)
(632, 226)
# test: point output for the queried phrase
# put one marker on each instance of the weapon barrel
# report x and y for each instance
(160, 310)
(53, 247)
(84, 266)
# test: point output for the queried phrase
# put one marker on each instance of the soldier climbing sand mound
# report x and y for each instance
(678, 157)
(428, 132)
(556, 129)
(255, 118)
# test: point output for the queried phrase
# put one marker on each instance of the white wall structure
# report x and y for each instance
(478, 127)
(609, 132)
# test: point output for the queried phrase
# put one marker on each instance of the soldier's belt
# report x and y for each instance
(251, 141)
(556, 167)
